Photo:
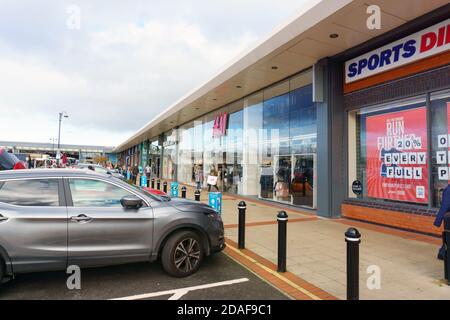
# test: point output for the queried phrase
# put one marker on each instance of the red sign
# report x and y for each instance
(397, 163)
(220, 125)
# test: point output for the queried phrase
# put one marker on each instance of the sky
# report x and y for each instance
(113, 65)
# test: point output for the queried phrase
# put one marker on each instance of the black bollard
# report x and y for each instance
(242, 207)
(165, 186)
(158, 184)
(353, 239)
(183, 192)
(282, 218)
(197, 195)
(153, 183)
(446, 241)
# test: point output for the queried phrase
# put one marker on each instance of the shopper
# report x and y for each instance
(212, 179)
(135, 172)
(445, 208)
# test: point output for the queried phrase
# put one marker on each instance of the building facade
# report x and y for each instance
(325, 114)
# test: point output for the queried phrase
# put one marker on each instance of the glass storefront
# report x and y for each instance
(262, 146)
(392, 153)
(170, 142)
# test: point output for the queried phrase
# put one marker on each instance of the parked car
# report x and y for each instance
(80, 217)
(9, 161)
(100, 169)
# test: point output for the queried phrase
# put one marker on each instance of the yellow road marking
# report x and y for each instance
(276, 274)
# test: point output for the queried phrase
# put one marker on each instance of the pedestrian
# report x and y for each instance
(148, 171)
(445, 208)
(135, 172)
(212, 179)
(197, 177)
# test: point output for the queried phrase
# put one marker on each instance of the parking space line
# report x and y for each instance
(178, 293)
(276, 274)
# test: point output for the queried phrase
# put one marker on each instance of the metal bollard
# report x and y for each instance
(158, 184)
(153, 183)
(446, 242)
(242, 206)
(183, 192)
(282, 218)
(165, 186)
(197, 195)
(353, 239)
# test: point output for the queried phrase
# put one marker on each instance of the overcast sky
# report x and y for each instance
(127, 61)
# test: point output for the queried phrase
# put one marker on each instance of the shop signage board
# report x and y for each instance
(443, 151)
(420, 45)
(220, 125)
(215, 201)
(357, 187)
(396, 153)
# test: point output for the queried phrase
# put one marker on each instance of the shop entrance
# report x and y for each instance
(294, 179)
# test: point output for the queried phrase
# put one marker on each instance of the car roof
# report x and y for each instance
(35, 173)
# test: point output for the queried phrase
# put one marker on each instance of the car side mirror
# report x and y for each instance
(108, 172)
(131, 202)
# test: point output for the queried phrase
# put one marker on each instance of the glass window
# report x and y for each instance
(42, 192)
(440, 146)
(96, 193)
(389, 145)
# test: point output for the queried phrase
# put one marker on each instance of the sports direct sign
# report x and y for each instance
(425, 43)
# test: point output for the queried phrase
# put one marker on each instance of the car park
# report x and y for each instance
(53, 218)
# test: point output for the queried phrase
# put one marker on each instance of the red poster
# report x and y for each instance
(397, 163)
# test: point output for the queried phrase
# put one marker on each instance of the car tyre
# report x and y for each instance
(182, 254)
(2, 269)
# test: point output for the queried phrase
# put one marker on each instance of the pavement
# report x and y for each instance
(219, 278)
(394, 264)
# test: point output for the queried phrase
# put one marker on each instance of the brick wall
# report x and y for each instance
(422, 223)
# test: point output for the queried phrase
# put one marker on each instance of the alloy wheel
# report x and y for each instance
(187, 255)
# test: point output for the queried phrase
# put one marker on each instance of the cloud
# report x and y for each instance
(127, 62)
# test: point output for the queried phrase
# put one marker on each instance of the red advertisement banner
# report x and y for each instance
(396, 151)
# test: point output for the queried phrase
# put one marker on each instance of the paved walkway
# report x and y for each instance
(317, 252)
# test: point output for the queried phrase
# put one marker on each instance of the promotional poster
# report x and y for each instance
(396, 145)
(443, 152)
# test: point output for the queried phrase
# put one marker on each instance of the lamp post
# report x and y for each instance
(61, 115)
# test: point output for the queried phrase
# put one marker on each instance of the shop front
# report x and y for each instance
(262, 146)
(397, 101)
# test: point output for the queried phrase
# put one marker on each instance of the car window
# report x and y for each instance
(32, 193)
(95, 193)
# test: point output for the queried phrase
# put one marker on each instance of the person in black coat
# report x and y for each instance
(445, 208)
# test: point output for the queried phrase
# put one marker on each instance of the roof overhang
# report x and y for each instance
(292, 47)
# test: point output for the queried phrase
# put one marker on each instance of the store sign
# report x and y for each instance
(443, 152)
(396, 156)
(415, 47)
(220, 125)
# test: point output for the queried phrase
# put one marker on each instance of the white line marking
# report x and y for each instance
(178, 293)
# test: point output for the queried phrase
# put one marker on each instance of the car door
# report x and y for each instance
(100, 230)
(33, 224)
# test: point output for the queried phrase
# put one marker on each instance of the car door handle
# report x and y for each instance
(81, 218)
(3, 218)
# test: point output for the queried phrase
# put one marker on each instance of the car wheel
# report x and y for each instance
(182, 254)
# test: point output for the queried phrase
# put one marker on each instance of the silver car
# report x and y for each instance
(53, 218)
